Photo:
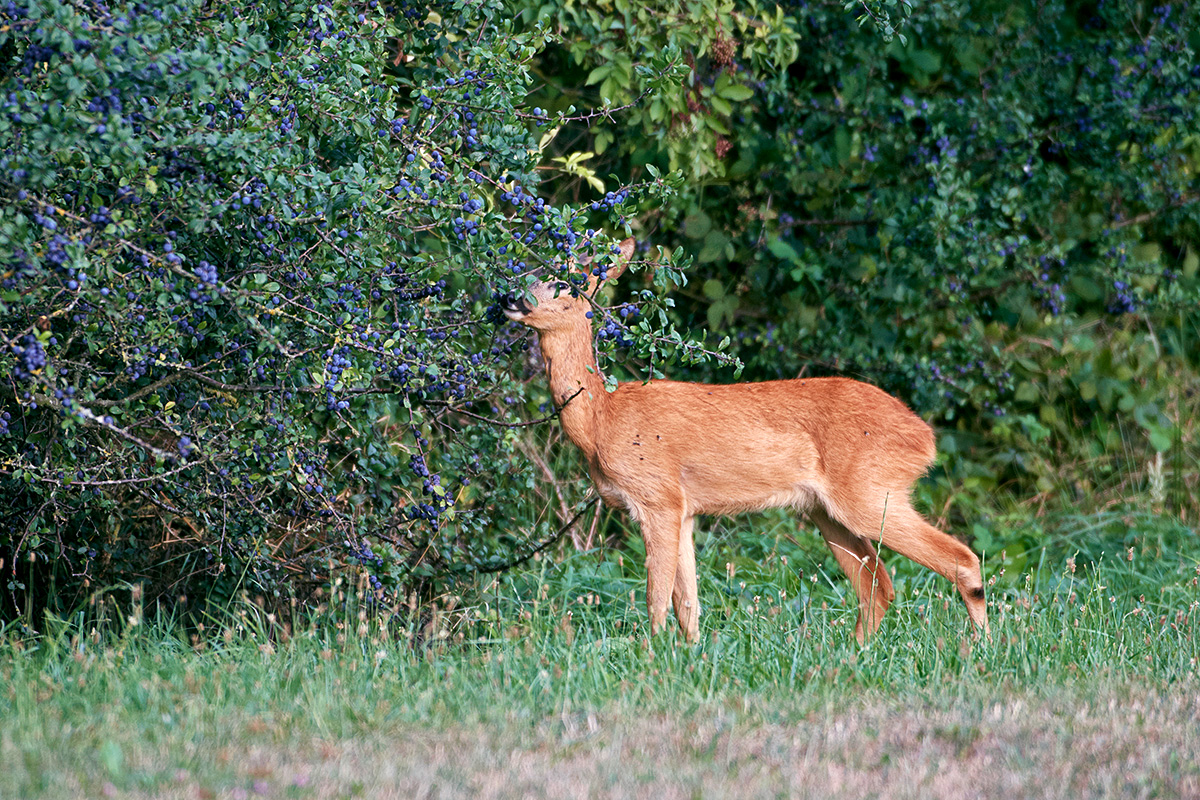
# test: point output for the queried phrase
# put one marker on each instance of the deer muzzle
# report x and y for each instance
(514, 307)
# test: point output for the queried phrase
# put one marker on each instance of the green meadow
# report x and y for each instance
(543, 683)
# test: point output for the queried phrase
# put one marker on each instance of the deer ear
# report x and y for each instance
(625, 252)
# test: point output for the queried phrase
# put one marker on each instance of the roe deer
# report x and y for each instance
(845, 452)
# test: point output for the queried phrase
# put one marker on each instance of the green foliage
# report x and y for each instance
(609, 43)
(995, 218)
(249, 257)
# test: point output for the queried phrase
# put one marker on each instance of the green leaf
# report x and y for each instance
(1160, 439)
(1148, 252)
(1191, 262)
(736, 93)
(841, 139)
(781, 249)
(1086, 289)
(925, 60)
(714, 247)
(715, 124)
(697, 225)
(598, 74)
(1026, 393)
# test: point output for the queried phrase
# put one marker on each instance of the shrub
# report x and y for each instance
(996, 218)
(249, 254)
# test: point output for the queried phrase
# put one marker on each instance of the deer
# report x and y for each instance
(844, 452)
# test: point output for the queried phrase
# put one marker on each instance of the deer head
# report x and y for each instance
(558, 304)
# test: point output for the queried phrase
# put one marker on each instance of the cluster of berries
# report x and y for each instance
(31, 358)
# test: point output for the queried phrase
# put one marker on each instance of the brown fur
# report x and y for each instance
(845, 452)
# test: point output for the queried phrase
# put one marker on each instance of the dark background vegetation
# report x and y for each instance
(249, 255)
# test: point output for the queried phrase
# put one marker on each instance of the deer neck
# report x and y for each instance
(575, 383)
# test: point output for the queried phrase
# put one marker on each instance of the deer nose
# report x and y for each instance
(510, 302)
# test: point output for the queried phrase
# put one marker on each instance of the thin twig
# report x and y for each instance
(558, 535)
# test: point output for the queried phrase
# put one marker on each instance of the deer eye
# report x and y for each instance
(562, 286)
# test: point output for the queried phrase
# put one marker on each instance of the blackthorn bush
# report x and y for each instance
(248, 255)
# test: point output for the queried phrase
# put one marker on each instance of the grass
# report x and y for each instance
(542, 683)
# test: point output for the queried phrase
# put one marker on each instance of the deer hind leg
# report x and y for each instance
(661, 529)
(898, 525)
(862, 566)
(685, 597)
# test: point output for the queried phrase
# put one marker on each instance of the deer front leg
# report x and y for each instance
(660, 531)
(685, 597)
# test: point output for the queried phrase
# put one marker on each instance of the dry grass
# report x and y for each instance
(1125, 742)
